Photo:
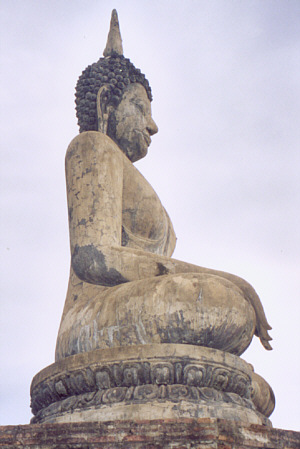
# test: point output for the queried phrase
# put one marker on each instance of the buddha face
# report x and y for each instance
(130, 125)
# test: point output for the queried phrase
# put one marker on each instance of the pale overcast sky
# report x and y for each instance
(225, 163)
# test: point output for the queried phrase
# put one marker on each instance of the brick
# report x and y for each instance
(156, 434)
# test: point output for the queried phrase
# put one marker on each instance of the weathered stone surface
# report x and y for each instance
(154, 434)
(101, 86)
(119, 231)
(152, 303)
(262, 395)
(114, 41)
(147, 382)
(141, 333)
(185, 309)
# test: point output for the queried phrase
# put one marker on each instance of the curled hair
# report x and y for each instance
(116, 72)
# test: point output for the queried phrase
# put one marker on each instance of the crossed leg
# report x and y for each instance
(198, 309)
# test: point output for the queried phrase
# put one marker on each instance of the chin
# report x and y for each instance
(139, 154)
(142, 153)
(136, 153)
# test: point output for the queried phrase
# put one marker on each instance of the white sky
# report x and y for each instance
(225, 163)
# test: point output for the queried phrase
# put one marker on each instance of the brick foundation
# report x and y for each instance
(157, 434)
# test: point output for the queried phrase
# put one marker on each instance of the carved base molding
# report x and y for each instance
(147, 382)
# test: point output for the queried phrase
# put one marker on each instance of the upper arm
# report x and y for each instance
(94, 175)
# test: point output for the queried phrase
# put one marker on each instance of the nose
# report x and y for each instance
(152, 127)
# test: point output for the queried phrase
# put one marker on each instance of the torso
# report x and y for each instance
(145, 223)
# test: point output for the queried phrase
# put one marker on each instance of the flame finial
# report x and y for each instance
(114, 40)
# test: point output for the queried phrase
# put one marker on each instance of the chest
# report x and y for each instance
(145, 223)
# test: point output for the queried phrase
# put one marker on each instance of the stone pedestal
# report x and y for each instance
(164, 381)
(206, 433)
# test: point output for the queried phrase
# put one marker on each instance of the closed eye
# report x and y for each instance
(139, 107)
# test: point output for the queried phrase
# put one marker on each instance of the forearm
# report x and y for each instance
(93, 264)
(115, 264)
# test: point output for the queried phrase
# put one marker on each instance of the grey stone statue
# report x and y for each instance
(135, 319)
(121, 236)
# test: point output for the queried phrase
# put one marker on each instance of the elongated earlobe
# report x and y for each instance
(103, 107)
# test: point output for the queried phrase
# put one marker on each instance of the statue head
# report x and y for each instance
(113, 97)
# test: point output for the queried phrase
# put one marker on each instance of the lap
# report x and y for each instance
(192, 308)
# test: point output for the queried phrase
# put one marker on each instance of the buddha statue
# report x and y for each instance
(125, 288)
(136, 322)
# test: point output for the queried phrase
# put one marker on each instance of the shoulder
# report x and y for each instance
(91, 144)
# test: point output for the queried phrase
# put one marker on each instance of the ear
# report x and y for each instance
(103, 107)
